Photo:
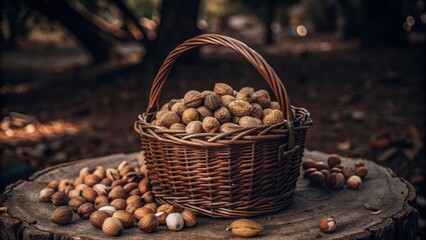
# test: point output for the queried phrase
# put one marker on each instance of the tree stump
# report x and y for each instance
(394, 198)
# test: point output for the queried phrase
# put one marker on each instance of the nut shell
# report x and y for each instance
(59, 198)
(327, 225)
(361, 172)
(175, 222)
(262, 98)
(75, 202)
(189, 115)
(46, 194)
(126, 218)
(245, 228)
(308, 163)
(189, 218)
(112, 226)
(168, 118)
(62, 215)
(119, 204)
(194, 127)
(97, 218)
(210, 125)
(248, 122)
(179, 108)
(85, 210)
(91, 179)
(257, 111)
(333, 160)
(229, 127)
(193, 99)
(148, 197)
(245, 94)
(240, 108)
(204, 112)
(141, 212)
(177, 126)
(274, 105)
(54, 184)
(336, 181)
(117, 192)
(212, 101)
(149, 223)
(89, 194)
(273, 117)
(226, 100)
(132, 207)
(316, 178)
(223, 89)
(354, 182)
(223, 115)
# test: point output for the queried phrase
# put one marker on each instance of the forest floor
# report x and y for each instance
(365, 103)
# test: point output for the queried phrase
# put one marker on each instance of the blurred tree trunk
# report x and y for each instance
(178, 23)
(93, 39)
(382, 23)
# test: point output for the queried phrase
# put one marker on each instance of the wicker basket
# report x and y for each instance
(242, 173)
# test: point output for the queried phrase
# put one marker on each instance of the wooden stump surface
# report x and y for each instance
(28, 218)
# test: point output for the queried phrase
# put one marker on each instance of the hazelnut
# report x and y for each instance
(274, 117)
(126, 218)
(327, 225)
(308, 172)
(262, 98)
(354, 182)
(99, 172)
(189, 218)
(316, 178)
(177, 127)
(256, 111)
(97, 218)
(91, 180)
(249, 122)
(204, 112)
(130, 186)
(361, 172)
(326, 174)
(68, 189)
(119, 204)
(152, 206)
(144, 187)
(240, 108)
(101, 189)
(179, 108)
(78, 181)
(274, 105)
(347, 172)
(84, 172)
(140, 212)
(101, 201)
(46, 194)
(210, 125)
(89, 194)
(309, 163)
(80, 187)
(85, 210)
(189, 115)
(359, 163)
(336, 181)
(112, 174)
(267, 111)
(229, 127)
(62, 215)
(75, 202)
(194, 127)
(123, 173)
(59, 198)
(223, 115)
(321, 165)
(112, 226)
(132, 207)
(223, 89)
(53, 184)
(134, 192)
(148, 197)
(133, 177)
(74, 193)
(122, 165)
(212, 101)
(226, 99)
(333, 160)
(148, 223)
(117, 192)
(245, 94)
(120, 182)
(134, 199)
(335, 170)
(193, 99)
(65, 183)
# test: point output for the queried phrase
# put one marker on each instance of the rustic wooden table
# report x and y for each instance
(28, 218)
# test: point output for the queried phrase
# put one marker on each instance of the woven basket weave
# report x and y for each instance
(243, 173)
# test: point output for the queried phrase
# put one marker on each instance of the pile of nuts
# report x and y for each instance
(113, 199)
(333, 173)
(222, 110)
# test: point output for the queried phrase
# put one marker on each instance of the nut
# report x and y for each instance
(336, 181)
(144, 187)
(141, 212)
(119, 204)
(132, 207)
(134, 177)
(204, 112)
(347, 172)
(101, 201)
(152, 206)
(126, 218)
(326, 174)
(80, 187)
(112, 174)
(117, 192)
(333, 160)
(354, 182)
(97, 218)
(75, 202)
(134, 192)
(172, 103)
(335, 170)
(223, 89)
(249, 122)
(161, 216)
(262, 98)
(223, 115)
(85, 210)
(165, 106)
(78, 181)
(123, 172)
(210, 125)
(226, 99)
(89, 194)
(194, 127)
(274, 105)
(189, 218)
(62, 216)
(256, 111)
(316, 178)
(321, 165)
(309, 163)
(267, 111)
(59, 198)
(167, 208)
(74, 193)
(245, 94)
(120, 182)
(212, 101)
(189, 115)
(101, 189)
(175, 222)
(84, 172)
(108, 209)
(205, 93)
(65, 183)
(53, 184)
(179, 108)
(177, 126)
(274, 117)
(235, 119)
(193, 99)
(240, 108)
(100, 172)
(130, 186)
(359, 163)
(149, 223)
(308, 172)
(229, 127)
(168, 118)
(245, 228)
(112, 226)
(46, 194)
(361, 172)
(148, 197)
(327, 225)
(134, 199)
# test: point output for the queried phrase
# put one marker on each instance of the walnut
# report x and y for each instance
(165, 107)
(229, 127)
(203, 112)
(194, 127)
(168, 118)
(245, 94)
(226, 99)
(211, 124)
(179, 108)
(193, 99)
(274, 105)
(262, 98)
(257, 110)
(240, 108)
(173, 102)
(212, 101)
(189, 115)
(266, 111)
(223, 89)
(248, 122)
(177, 126)
(275, 116)
(222, 115)
(235, 119)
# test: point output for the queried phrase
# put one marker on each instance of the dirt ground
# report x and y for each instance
(367, 103)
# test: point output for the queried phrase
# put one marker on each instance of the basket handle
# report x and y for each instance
(253, 57)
